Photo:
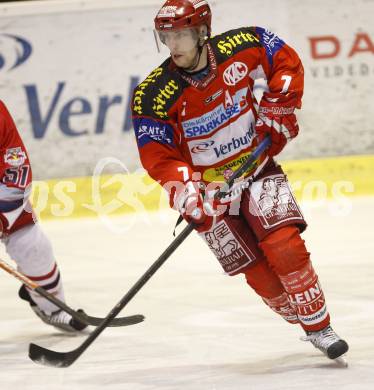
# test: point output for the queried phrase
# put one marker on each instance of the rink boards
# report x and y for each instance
(315, 180)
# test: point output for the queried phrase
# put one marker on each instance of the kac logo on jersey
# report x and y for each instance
(15, 51)
(15, 157)
(235, 73)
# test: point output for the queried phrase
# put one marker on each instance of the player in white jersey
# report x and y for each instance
(24, 240)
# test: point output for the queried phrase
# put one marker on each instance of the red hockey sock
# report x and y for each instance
(281, 305)
(286, 253)
(267, 284)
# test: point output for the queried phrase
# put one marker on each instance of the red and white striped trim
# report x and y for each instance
(50, 281)
(199, 3)
(45, 277)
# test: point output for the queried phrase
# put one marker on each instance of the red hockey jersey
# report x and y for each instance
(183, 125)
(15, 175)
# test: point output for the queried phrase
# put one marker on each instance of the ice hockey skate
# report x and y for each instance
(329, 343)
(59, 319)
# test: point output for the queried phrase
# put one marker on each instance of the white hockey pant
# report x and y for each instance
(31, 249)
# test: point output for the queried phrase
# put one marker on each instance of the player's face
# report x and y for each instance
(182, 45)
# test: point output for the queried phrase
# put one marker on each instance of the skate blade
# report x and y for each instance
(341, 361)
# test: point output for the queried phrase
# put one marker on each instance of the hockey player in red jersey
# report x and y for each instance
(196, 120)
(24, 240)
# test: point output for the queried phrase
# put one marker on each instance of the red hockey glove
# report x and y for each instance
(277, 118)
(191, 205)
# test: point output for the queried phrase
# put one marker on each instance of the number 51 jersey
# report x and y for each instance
(185, 125)
(15, 177)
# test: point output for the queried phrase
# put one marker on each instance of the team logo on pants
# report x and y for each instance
(227, 249)
(273, 202)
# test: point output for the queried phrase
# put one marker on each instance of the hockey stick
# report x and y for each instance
(65, 359)
(78, 315)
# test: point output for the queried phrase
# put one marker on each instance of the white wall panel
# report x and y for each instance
(67, 67)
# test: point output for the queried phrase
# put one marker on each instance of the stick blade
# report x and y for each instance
(122, 321)
(47, 357)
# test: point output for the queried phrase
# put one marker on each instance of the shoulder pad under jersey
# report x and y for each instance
(157, 93)
(234, 41)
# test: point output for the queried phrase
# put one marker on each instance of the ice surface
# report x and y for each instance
(203, 330)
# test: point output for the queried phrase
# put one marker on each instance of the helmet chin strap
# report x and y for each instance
(196, 59)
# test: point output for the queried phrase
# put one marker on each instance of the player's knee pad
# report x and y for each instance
(285, 250)
(263, 280)
(31, 249)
